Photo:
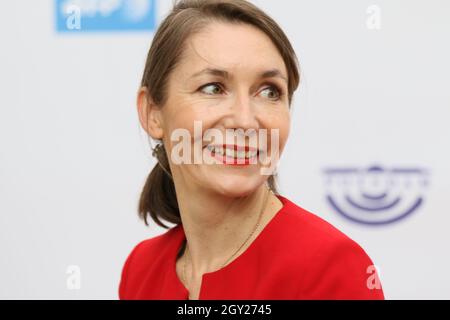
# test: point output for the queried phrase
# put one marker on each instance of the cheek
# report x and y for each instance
(178, 114)
(280, 121)
(187, 116)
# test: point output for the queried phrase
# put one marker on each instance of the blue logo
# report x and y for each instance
(375, 195)
(105, 15)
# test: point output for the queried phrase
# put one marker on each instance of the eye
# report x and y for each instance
(211, 88)
(272, 93)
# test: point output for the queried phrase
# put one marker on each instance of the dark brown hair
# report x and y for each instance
(158, 198)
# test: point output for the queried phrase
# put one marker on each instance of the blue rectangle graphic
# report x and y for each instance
(105, 15)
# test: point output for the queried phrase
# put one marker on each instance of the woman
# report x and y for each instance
(221, 66)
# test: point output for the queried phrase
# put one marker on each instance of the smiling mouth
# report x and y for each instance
(234, 154)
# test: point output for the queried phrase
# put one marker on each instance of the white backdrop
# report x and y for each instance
(73, 158)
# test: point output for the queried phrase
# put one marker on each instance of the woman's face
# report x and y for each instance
(230, 77)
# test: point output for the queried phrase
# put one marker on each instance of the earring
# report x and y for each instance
(156, 150)
(156, 154)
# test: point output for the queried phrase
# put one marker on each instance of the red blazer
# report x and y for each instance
(297, 256)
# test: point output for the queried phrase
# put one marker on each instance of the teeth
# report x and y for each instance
(251, 154)
(218, 151)
(233, 153)
(230, 153)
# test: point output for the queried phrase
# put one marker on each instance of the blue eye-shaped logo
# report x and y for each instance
(375, 196)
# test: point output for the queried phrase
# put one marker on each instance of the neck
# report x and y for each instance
(216, 226)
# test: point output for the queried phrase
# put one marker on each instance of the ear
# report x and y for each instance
(149, 114)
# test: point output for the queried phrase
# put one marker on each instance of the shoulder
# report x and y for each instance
(156, 243)
(146, 256)
(331, 264)
(300, 224)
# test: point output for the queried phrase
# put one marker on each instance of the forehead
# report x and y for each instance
(238, 47)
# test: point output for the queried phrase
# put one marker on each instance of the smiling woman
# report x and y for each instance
(228, 67)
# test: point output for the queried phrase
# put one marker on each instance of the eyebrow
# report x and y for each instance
(272, 73)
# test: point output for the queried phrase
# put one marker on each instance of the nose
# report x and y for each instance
(243, 115)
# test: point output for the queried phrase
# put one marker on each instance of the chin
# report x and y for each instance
(237, 187)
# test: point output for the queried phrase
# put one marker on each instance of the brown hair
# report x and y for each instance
(158, 198)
